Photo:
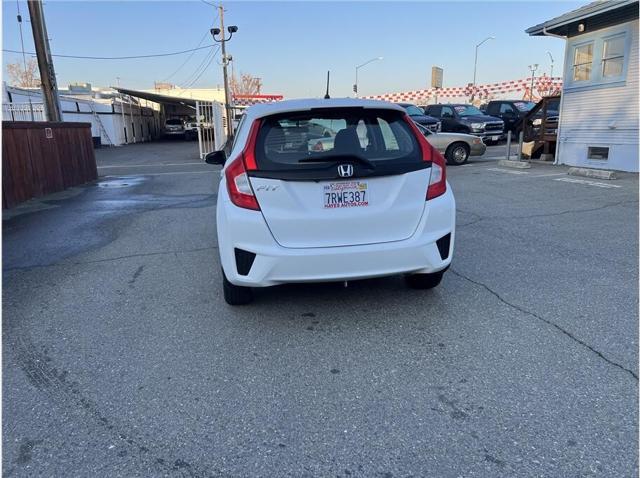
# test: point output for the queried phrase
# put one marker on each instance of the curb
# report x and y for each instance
(592, 173)
(510, 163)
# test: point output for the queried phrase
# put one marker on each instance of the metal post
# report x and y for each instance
(133, 128)
(533, 69)
(198, 126)
(360, 66)
(475, 65)
(508, 145)
(520, 141)
(356, 84)
(45, 61)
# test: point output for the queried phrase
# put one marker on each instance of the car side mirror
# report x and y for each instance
(216, 157)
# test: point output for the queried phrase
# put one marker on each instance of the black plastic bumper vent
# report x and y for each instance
(244, 261)
(443, 246)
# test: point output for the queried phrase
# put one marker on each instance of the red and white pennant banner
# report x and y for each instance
(542, 85)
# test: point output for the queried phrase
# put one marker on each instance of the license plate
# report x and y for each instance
(346, 194)
(495, 138)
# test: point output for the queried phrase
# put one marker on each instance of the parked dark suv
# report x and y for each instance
(467, 119)
(512, 112)
(417, 115)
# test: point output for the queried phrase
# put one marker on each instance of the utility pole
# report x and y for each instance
(45, 61)
(533, 69)
(225, 62)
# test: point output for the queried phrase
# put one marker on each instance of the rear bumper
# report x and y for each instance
(274, 264)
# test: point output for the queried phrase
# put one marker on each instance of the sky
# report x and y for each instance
(291, 45)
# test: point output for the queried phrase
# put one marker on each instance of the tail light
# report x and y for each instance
(238, 185)
(438, 179)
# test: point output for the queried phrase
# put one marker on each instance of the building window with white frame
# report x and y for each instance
(582, 60)
(613, 56)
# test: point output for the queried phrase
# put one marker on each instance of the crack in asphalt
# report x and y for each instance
(531, 216)
(109, 259)
(546, 321)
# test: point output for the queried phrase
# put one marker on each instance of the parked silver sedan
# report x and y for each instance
(455, 147)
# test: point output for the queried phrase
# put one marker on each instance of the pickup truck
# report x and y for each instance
(461, 118)
(512, 112)
(418, 115)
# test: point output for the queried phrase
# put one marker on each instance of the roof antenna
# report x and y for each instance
(326, 95)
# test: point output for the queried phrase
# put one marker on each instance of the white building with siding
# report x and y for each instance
(599, 108)
(114, 119)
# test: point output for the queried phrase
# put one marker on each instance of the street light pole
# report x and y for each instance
(475, 65)
(551, 74)
(225, 61)
(355, 85)
(533, 69)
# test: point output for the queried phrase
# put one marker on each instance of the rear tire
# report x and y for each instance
(457, 154)
(424, 281)
(235, 294)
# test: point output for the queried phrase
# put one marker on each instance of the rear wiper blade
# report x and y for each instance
(339, 158)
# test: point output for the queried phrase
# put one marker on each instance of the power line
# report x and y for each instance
(116, 57)
(188, 58)
(206, 33)
(200, 69)
(197, 68)
(24, 58)
(203, 70)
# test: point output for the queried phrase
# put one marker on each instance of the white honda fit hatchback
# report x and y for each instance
(331, 190)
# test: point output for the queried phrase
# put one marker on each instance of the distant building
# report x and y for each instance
(598, 125)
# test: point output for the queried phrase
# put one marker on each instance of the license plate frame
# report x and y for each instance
(346, 194)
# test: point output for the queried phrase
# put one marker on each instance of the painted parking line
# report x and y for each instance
(548, 175)
(508, 171)
(172, 172)
(145, 165)
(587, 182)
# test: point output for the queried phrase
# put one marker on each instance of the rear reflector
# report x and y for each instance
(443, 246)
(244, 261)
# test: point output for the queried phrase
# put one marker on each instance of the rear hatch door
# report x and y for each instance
(339, 177)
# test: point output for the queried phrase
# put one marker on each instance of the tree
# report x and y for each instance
(24, 77)
(247, 85)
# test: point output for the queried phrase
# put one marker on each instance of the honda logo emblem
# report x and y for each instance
(345, 170)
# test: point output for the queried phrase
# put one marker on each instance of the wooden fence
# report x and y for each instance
(40, 158)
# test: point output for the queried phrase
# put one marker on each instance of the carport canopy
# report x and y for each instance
(157, 98)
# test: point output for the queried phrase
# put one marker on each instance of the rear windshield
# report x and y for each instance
(524, 105)
(174, 121)
(320, 136)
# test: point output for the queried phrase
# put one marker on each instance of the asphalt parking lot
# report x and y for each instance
(120, 357)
